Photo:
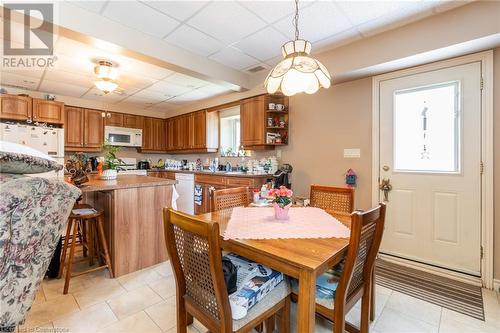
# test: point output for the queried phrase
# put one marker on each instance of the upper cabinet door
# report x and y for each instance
(73, 126)
(252, 120)
(132, 121)
(159, 134)
(15, 107)
(170, 129)
(114, 119)
(199, 129)
(93, 128)
(48, 111)
(147, 134)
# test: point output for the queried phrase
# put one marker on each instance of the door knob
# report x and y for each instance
(386, 168)
(386, 187)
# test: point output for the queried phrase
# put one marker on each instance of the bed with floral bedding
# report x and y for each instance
(33, 213)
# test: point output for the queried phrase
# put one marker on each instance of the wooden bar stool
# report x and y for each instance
(93, 240)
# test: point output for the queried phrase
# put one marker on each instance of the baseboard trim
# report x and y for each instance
(435, 270)
(496, 285)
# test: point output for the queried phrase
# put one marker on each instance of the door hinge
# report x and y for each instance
(481, 168)
(482, 252)
(482, 83)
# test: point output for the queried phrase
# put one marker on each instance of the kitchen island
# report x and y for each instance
(132, 207)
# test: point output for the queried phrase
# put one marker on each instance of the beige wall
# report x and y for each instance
(496, 107)
(321, 126)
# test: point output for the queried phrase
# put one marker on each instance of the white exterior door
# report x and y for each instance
(430, 151)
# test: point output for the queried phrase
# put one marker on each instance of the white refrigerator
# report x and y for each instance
(49, 141)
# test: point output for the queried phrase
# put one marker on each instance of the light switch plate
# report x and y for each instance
(352, 153)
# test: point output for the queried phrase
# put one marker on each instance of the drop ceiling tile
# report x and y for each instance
(140, 17)
(97, 95)
(74, 65)
(263, 44)
(180, 10)
(232, 57)
(60, 88)
(274, 61)
(214, 89)
(317, 21)
(152, 95)
(186, 81)
(133, 80)
(395, 19)
(139, 102)
(17, 80)
(337, 40)
(194, 95)
(226, 21)
(93, 6)
(359, 12)
(164, 107)
(193, 40)
(34, 73)
(168, 88)
(70, 78)
(272, 11)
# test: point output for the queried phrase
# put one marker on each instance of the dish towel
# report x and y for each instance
(198, 194)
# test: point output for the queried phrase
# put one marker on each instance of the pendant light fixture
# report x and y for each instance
(297, 72)
(106, 74)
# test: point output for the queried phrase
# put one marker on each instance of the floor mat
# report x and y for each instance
(451, 294)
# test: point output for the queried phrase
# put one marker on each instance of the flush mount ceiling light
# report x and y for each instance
(106, 74)
(297, 72)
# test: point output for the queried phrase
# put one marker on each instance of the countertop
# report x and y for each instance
(124, 181)
(217, 173)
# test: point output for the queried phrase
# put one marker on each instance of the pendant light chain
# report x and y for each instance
(296, 19)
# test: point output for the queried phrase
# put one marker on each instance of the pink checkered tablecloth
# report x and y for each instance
(303, 222)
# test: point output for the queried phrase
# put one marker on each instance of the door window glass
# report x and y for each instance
(427, 129)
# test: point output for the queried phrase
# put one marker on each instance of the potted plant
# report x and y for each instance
(111, 162)
(282, 201)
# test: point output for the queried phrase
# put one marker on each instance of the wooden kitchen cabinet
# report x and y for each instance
(132, 121)
(14, 107)
(48, 111)
(254, 116)
(73, 126)
(154, 135)
(159, 135)
(147, 134)
(83, 129)
(253, 122)
(114, 119)
(93, 135)
(195, 132)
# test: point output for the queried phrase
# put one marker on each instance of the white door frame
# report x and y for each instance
(487, 204)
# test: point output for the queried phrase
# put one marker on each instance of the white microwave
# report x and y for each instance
(122, 136)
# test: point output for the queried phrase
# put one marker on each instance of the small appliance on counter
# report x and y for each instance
(282, 176)
(143, 165)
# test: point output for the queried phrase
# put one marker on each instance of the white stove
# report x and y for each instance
(129, 167)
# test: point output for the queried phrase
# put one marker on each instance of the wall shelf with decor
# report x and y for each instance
(277, 120)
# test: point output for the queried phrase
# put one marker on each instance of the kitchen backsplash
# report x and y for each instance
(133, 153)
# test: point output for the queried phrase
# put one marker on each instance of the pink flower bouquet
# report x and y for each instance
(282, 200)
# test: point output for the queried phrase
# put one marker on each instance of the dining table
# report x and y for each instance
(301, 258)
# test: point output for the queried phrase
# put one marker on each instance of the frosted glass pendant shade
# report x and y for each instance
(106, 86)
(297, 72)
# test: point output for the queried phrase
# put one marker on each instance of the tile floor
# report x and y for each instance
(144, 302)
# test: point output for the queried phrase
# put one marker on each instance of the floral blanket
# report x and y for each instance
(33, 213)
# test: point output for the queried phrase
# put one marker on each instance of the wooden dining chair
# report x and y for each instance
(356, 272)
(229, 198)
(336, 199)
(195, 253)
